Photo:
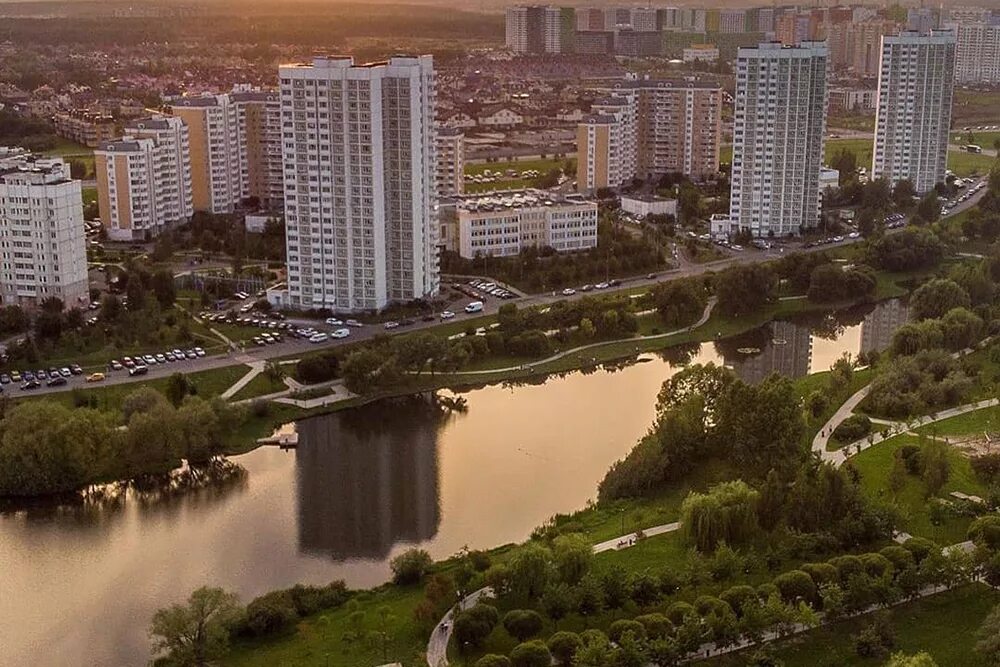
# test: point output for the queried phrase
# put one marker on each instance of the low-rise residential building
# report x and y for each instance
(85, 127)
(853, 100)
(643, 205)
(506, 223)
(828, 178)
(144, 179)
(450, 166)
(43, 249)
(500, 117)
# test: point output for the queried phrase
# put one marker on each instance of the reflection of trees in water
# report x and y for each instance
(680, 355)
(728, 348)
(830, 325)
(97, 504)
(367, 477)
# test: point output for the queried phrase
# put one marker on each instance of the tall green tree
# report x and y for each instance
(195, 634)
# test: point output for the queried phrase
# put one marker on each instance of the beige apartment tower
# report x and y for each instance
(216, 151)
(258, 115)
(450, 169)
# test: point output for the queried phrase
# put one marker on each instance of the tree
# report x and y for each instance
(929, 208)
(903, 193)
(572, 556)
(164, 289)
(922, 659)
(728, 512)
(563, 646)
(796, 586)
(531, 654)
(988, 637)
(178, 386)
(845, 162)
(473, 626)
(936, 297)
(529, 570)
(195, 634)
(522, 623)
(271, 613)
(936, 466)
(410, 566)
(493, 660)
(745, 288)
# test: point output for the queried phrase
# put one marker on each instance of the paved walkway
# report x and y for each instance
(836, 457)
(437, 645)
(635, 339)
(256, 368)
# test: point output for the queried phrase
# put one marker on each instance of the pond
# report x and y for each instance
(80, 582)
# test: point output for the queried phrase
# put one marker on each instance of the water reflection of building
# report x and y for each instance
(788, 353)
(365, 485)
(880, 325)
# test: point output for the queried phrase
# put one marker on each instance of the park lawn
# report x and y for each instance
(875, 464)
(981, 139)
(651, 554)
(726, 154)
(975, 107)
(857, 122)
(944, 625)
(966, 164)
(862, 149)
(319, 640)
(70, 150)
(971, 423)
(261, 385)
(89, 195)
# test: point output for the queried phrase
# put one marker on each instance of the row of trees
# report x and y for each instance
(49, 448)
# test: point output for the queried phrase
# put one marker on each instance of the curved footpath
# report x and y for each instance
(565, 353)
(437, 645)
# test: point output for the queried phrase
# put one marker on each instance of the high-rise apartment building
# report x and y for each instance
(977, 52)
(144, 179)
(648, 128)
(358, 145)
(258, 118)
(778, 130)
(534, 29)
(216, 151)
(43, 249)
(913, 114)
(864, 45)
(450, 169)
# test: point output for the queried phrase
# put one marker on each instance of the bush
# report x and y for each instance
(522, 623)
(493, 660)
(620, 627)
(796, 586)
(853, 428)
(410, 566)
(473, 626)
(531, 654)
(271, 614)
(563, 646)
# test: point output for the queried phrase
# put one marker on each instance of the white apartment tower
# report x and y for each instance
(780, 120)
(977, 53)
(42, 243)
(450, 168)
(217, 154)
(358, 146)
(913, 112)
(144, 179)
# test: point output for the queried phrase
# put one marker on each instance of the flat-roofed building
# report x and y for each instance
(450, 167)
(258, 117)
(217, 154)
(85, 127)
(504, 224)
(144, 179)
(43, 249)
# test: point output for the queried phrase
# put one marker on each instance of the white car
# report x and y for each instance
(447, 315)
(341, 333)
(334, 322)
(569, 291)
(319, 338)
(199, 351)
(391, 324)
(353, 323)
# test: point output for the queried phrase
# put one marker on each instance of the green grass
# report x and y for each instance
(520, 166)
(969, 424)
(857, 122)
(982, 139)
(70, 150)
(974, 107)
(319, 640)
(966, 164)
(944, 625)
(875, 464)
(726, 154)
(862, 149)
(261, 385)
(89, 195)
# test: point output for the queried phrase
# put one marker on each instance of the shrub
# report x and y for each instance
(493, 660)
(563, 646)
(410, 566)
(796, 586)
(473, 626)
(522, 623)
(853, 428)
(620, 627)
(531, 654)
(271, 613)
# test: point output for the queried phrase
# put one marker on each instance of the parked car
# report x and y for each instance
(353, 323)
(474, 307)
(334, 322)
(447, 315)
(138, 370)
(95, 377)
(391, 324)
(57, 381)
(30, 384)
(569, 291)
(341, 333)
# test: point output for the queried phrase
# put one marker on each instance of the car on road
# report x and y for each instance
(15, 376)
(569, 291)
(447, 315)
(115, 365)
(65, 371)
(30, 384)
(474, 307)
(334, 322)
(149, 359)
(57, 381)
(96, 377)
(319, 338)
(391, 324)
(199, 351)
(4, 379)
(41, 374)
(353, 323)
(341, 333)
(602, 285)
(138, 370)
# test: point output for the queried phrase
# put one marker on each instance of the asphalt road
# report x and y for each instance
(491, 306)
